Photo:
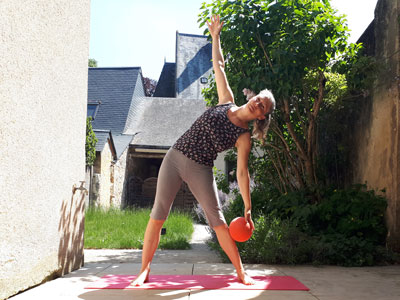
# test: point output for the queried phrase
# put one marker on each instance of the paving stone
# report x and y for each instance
(325, 282)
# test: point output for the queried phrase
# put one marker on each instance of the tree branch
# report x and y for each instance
(291, 130)
(277, 170)
(265, 53)
(289, 157)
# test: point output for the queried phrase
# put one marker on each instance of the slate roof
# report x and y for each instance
(102, 137)
(159, 122)
(121, 142)
(193, 61)
(114, 88)
(166, 83)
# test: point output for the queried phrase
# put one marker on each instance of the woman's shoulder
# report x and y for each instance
(221, 103)
(228, 104)
(243, 143)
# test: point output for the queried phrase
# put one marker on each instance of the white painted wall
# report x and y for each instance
(44, 48)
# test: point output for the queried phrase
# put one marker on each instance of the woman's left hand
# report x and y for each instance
(214, 26)
(247, 216)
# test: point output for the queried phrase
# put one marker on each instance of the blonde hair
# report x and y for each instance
(260, 127)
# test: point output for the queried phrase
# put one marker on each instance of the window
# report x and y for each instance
(203, 80)
(92, 109)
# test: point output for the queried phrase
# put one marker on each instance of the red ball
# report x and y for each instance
(240, 230)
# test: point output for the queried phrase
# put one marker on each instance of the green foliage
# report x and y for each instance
(351, 89)
(90, 145)
(360, 70)
(290, 47)
(276, 241)
(346, 228)
(92, 63)
(124, 229)
(299, 50)
(221, 180)
(276, 43)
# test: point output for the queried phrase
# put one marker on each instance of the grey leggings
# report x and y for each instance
(176, 168)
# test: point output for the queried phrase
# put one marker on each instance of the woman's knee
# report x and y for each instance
(156, 223)
(221, 227)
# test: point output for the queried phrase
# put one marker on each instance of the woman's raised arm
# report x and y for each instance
(225, 94)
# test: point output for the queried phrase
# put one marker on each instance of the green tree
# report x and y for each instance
(92, 63)
(290, 47)
(90, 145)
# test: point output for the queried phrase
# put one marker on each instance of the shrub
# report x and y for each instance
(346, 228)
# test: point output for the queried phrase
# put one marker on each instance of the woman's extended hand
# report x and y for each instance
(215, 26)
(247, 216)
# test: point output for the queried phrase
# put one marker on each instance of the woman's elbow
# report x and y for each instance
(221, 65)
(242, 173)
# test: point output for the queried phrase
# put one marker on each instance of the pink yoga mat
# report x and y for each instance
(199, 282)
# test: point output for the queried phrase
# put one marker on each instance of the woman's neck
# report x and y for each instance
(242, 115)
(238, 117)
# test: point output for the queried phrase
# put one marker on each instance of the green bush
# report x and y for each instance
(352, 212)
(276, 241)
(346, 228)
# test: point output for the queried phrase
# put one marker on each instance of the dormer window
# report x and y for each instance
(92, 108)
(203, 80)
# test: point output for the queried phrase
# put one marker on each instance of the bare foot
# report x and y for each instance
(246, 279)
(141, 278)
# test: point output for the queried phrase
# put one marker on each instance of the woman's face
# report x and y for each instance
(258, 107)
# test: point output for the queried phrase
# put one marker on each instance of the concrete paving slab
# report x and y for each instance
(137, 294)
(250, 294)
(228, 269)
(156, 269)
(337, 283)
(88, 269)
(72, 286)
(198, 254)
(60, 288)
(325, 282)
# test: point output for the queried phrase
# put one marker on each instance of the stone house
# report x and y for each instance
(141, 128)
(160, 120)
(111, 93)
(102, 173)
(156, 126)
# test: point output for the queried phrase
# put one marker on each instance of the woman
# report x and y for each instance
(191, 159)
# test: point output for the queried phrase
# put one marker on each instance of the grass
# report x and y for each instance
(124, 229)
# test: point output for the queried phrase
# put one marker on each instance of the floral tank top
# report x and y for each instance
(211, 133)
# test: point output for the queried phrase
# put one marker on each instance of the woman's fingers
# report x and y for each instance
(247, 216)
(215, 20)
(251, 224)
(214, 25)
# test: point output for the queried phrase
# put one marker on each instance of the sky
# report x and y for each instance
(138, 33)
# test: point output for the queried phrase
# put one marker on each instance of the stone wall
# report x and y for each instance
(43, 90)
(376, 157)
(104, 196)
(120, 180)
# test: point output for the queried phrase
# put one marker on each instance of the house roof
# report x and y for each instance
(102, 137)
(193, 61)
(114, 88)
(159, 122)
(166, 83)
(121, 142)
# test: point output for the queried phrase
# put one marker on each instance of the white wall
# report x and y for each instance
(44, 49)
